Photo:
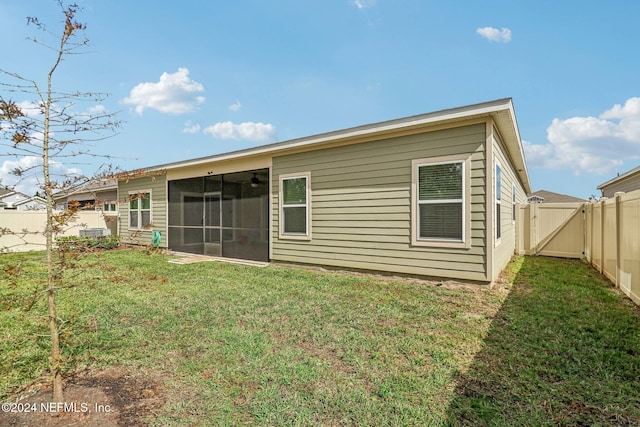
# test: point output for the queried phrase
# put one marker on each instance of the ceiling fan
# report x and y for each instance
(255, 181)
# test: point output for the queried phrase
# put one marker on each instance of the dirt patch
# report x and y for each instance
(108, 398)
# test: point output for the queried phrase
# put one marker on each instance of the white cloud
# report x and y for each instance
(236, 106)
(30, 109)
(191, 128)
(97, 110)
(31, 180)
(590, 144)
(174, 94)
(495, 35)
(362, 4)
(249, 131)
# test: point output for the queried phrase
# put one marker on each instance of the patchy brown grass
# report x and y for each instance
(107, 398)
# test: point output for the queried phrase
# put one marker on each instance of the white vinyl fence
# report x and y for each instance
(613, 240)
(607, 233)
(23, 231)
(551, 229)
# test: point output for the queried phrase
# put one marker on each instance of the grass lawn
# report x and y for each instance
(232, 344)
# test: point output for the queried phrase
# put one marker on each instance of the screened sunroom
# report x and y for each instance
(221, 215)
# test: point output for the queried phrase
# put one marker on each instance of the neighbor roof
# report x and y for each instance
(5, 191)
(37, 199)
(500, 110)
(551, 197)
(626, 175)
(93, 185)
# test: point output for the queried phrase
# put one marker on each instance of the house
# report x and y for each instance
(97, 194)
(543, 196)
(626, 182)
(15, 200)
(430, 195)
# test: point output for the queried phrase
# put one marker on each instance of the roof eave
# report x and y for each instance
(510, 132)
(508, 129)
(624, 176)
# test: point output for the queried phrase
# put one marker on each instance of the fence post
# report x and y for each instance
(533, 229)
(618, 196)
(587, 232)
(603, 210)
(518, 229)
(590, 216)
(584, 230)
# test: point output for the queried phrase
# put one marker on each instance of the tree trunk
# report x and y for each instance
(56, 359)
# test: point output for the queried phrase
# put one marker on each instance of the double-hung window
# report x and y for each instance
(295, 206)
(140, 209)
(440, 194)
(109, 207)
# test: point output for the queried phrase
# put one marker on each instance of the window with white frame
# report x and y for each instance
(140, 209)
(498, 201)
(295, 205)
(109, 207)
(440, 191)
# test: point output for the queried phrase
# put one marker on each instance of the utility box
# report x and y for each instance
(95, 232)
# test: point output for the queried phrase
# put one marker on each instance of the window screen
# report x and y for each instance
(294, 205)
(440, 201)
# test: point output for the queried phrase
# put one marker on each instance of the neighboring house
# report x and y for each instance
(4, 192)
(628, 181)
(543, 196)
(15, 200)
(97, 194)
(431, 195)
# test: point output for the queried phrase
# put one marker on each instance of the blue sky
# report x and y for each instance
(193, 78)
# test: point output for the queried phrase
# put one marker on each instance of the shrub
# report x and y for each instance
(85, 243)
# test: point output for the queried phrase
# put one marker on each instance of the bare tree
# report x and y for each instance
(51, 129)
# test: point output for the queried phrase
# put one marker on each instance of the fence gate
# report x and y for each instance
(552, 229)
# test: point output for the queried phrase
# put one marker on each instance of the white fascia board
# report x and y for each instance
(424, 120)
(618, 178)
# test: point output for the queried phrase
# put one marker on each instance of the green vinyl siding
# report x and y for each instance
(505, 247)
(157, 206)
(361, 206)
(631, 183)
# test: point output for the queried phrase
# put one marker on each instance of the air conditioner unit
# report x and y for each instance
(95, 232)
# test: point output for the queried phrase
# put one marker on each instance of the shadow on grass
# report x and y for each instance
(564, 349)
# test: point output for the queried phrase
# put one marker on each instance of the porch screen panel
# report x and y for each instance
(186, 203)
(224, 215)
(186, 210)
(245, 215)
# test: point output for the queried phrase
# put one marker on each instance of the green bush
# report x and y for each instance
(85, 243)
